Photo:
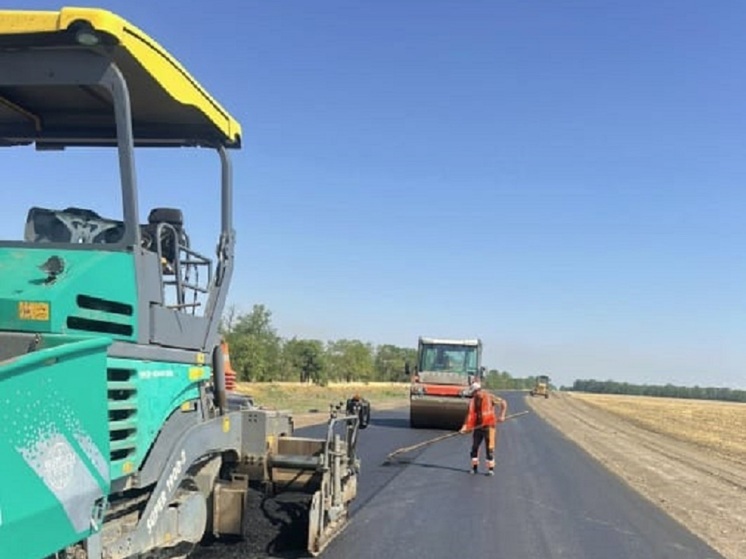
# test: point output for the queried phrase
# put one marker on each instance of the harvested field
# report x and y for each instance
(716, 426)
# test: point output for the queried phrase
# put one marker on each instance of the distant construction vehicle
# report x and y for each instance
(541, 386)
(439, 393)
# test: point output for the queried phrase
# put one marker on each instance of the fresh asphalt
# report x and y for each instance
(547, 500)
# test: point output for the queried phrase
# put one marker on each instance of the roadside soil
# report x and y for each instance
(703, 491)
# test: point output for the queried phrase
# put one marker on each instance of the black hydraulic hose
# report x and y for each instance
(218, 377)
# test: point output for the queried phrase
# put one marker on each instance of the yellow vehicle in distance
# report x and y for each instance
(541, 387)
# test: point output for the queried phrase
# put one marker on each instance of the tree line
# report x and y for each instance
(502, 380)
(667, 390)
(259, 354)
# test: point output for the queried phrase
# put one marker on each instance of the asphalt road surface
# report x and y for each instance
(547, 500)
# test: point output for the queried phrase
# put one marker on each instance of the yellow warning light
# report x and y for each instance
(196, 373)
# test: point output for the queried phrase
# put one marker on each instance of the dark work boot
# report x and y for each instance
(473, 469)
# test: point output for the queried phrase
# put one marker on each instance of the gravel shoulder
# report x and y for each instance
(704, 492)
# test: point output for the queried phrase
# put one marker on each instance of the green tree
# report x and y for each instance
(305, 359)
(255, 346)
(228, 320)
(350, 360)
(390, 362)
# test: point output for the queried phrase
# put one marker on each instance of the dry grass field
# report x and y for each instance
(302, 398)
(717, 426)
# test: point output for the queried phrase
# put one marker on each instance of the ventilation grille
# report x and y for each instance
(103, 316)
(97, 304)
(122, 415)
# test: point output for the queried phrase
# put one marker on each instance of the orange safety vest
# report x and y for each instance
(481, 411)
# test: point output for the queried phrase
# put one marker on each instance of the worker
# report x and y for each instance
(482, 421)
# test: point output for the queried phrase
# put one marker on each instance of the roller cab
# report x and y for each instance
(439, 392)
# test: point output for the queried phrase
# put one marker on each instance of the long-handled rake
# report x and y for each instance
(437, 439)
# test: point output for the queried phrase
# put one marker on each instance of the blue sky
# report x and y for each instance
(564, 179)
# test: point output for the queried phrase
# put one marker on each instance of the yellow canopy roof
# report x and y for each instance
(168, 105)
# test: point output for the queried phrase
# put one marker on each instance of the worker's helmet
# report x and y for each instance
(475, 386)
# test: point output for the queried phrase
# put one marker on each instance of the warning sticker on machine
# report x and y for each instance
(29, 310)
